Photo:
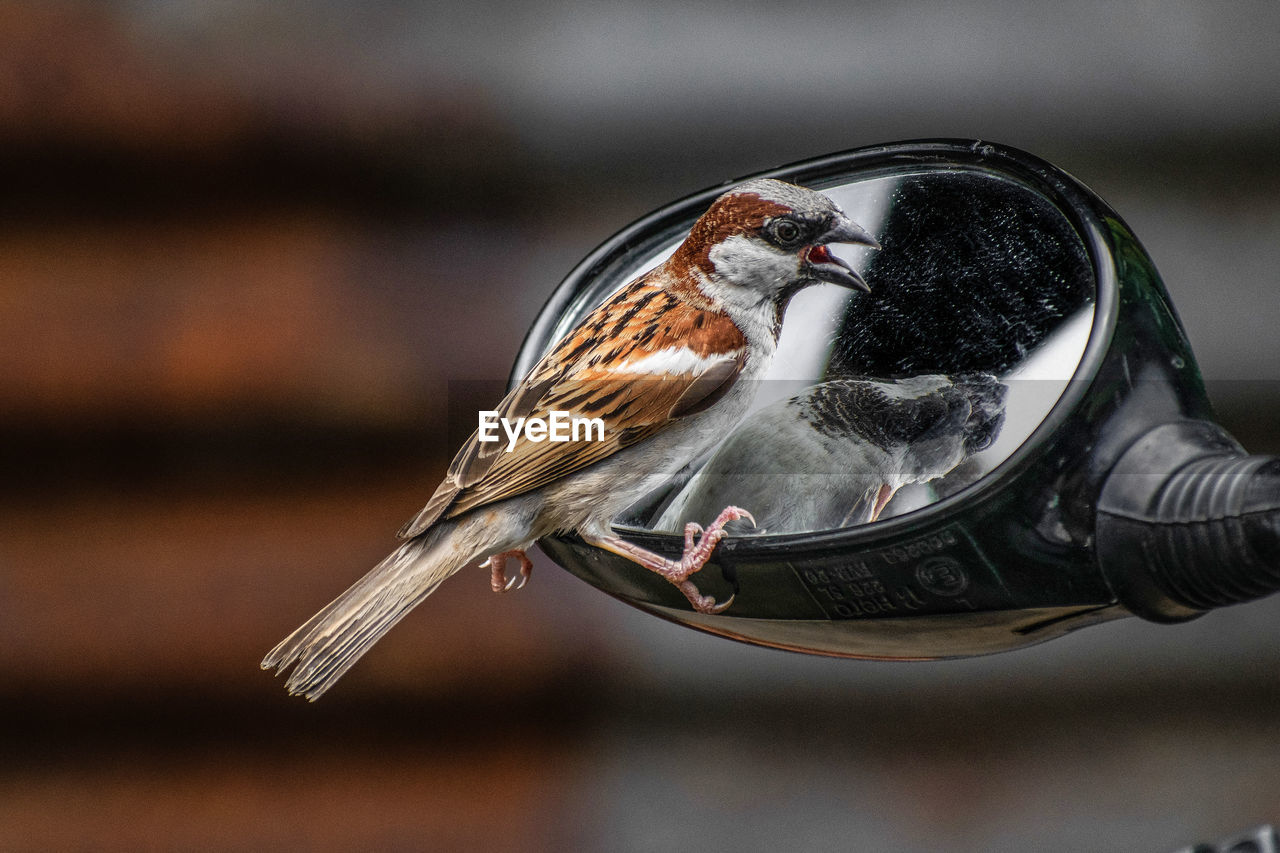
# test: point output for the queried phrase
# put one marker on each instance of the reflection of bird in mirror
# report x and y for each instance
(834, 455)
(667, 365)
(974, 274)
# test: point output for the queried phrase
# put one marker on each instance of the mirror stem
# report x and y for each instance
(1187, 522)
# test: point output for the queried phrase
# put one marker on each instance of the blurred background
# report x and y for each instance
(245, 247)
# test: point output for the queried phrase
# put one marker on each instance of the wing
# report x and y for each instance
(642, 360)
(475, 457)
(883, 413)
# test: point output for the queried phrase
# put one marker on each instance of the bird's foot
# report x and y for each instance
(704, 603)
(497, 565)
(696, 554)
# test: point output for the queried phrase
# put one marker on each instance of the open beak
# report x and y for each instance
(827, 267)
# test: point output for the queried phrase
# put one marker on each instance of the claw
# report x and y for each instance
(705, 603)
(497, 575)
(732, 513)
(725, 605)
(497, 565)
(691, 530)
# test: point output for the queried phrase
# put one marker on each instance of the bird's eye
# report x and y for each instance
(786, 232)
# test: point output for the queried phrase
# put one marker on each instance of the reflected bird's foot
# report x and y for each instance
(883, 496)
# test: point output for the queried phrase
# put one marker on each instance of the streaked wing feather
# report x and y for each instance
(585, 375)
(427, 516)
(476, 457)
(631, 407)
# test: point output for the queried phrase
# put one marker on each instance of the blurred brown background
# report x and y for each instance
(245, 246)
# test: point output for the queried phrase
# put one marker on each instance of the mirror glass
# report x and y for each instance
(880, 403)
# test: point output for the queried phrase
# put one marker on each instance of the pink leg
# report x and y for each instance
(498, 571)
(694, 558)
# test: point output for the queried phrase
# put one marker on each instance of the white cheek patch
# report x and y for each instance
(754, 264)
(673, 361)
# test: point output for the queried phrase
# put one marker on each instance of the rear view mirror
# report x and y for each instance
(1019, 366)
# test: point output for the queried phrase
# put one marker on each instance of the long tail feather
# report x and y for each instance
(329, 643)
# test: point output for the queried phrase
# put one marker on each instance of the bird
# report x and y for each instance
(834, 455)
(667, 364)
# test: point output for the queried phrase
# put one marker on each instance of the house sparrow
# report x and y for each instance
(667, 365)
(834, 455)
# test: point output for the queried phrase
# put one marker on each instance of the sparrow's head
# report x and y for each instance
(770, 238)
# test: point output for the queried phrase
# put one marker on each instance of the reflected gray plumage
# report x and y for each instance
(833, 455)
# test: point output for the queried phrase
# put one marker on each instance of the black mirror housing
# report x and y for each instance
(1042, 544)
